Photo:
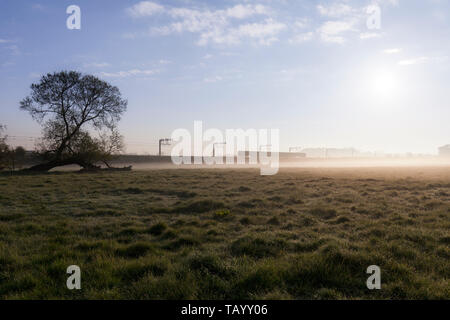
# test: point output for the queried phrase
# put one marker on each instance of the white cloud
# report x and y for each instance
(335, 10)
(213, 79)
(262, 33)
(220, 26)
(421, 60)
(225, 75)
(292, 72)
(205, 16)
(96, 65)
(336, 27)
(331, 31)
(301, 37)
(5, 41)
(14, 49)
(392, 51)
(413, 61)
(129, 73)
(369, 35)
(159, 31)
(34, 75)
(301, 24)
(195, 20)
(346, 18)
(394, 3)
(145, 8)
(8, 64)
(38, 6)
(254, 23)
(240, 11)
(129, 35)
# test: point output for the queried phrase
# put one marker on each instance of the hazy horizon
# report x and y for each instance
(312, 69)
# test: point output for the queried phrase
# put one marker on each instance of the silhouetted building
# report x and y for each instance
(444, 151)
(330, 152)
(281, 155)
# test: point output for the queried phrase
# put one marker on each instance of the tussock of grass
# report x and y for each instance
(199, 206)
(135, 250)
(257, 247)
(178, 193)
(135, 270)
(181, 242)
(223, 214)
(245, 221)
(324, 213)
(132, 191)
(208, 264)
(274, 221)
(157, 229)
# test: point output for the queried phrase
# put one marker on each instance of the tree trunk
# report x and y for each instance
(43, 167)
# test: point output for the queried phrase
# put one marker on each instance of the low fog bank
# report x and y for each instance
(162, 163)
(304, 163)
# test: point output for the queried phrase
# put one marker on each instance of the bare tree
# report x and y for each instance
(16, 157)
(110, 145)
(70, 107)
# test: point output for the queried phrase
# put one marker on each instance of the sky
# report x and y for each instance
(373, 75)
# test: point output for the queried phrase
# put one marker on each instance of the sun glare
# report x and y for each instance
(384, 82)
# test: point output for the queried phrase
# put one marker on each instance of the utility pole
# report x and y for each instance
(164, 142)
(268, 148)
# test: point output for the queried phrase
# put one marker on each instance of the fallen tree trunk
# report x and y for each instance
(44, 167)
(107, 169)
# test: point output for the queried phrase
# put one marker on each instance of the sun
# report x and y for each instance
(383, 82)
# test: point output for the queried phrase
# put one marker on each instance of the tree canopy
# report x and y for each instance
(70, 107)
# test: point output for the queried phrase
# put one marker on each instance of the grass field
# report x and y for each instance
(227, 234)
